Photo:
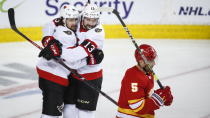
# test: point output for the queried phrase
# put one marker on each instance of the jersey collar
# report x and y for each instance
(82, 29)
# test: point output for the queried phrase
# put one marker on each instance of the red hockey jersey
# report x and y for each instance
(134, 100)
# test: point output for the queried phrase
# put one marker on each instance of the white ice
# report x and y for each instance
(182, 64)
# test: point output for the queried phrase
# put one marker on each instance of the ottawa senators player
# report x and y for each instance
(59, 40)
(79, 100)
(137, 98)
(83, 99)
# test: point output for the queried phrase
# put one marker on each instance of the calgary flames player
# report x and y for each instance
(137, 98)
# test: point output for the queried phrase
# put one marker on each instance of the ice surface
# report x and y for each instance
(182, 64)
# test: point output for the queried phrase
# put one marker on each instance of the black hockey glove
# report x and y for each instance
(52, 50)
(95, 57)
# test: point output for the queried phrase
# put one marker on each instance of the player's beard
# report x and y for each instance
(88, 27)
(73, 27)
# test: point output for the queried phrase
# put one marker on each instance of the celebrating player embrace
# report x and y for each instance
(79, 44)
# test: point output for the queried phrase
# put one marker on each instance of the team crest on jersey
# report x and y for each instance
(68, 32)
(98, 30)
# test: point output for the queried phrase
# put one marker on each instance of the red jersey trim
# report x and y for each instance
(132, 113)
(90, 76)
(51, 77)
(82, 29)
(128, 112)
(72, 47)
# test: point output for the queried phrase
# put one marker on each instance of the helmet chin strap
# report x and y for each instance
(64, 22)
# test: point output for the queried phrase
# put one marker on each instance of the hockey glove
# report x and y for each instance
(88, 46)
(95, 57)
(46, 40)
(53, 49)
(163, 96)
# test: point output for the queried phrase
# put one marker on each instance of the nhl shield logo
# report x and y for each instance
(98, 30)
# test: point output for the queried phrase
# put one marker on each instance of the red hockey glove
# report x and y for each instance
(95, 57)
(163, 96)
(88, 46)
(169, 99)
(53, 49)
(46, 40)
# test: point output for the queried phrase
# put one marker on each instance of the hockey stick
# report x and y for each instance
(108, 9)
(11, 15)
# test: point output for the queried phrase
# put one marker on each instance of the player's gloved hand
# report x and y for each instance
(52, 50)
(46, 40)
(95, 57)
(163, 96)
(168, 101)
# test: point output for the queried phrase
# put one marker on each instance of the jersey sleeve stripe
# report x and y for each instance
(134, 101)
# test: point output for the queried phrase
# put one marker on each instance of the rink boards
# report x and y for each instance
(117, 31)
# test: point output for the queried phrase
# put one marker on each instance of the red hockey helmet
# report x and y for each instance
(148, 51)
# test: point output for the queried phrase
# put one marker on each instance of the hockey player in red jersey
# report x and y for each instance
(58, 38)
(137, 98)
(84, 99)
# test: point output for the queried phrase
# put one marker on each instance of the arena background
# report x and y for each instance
(162, 19)
(178, 29)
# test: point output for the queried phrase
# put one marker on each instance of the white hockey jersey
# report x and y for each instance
(52, 70)
(97, 35)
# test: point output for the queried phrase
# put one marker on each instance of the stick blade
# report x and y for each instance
(11, 15)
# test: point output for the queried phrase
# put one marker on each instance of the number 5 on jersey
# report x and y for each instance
(134, 87)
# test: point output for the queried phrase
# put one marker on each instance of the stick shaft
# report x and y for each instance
(137, 47)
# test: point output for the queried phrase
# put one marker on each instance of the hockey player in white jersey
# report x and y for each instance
(83, 100)
(58, 35)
